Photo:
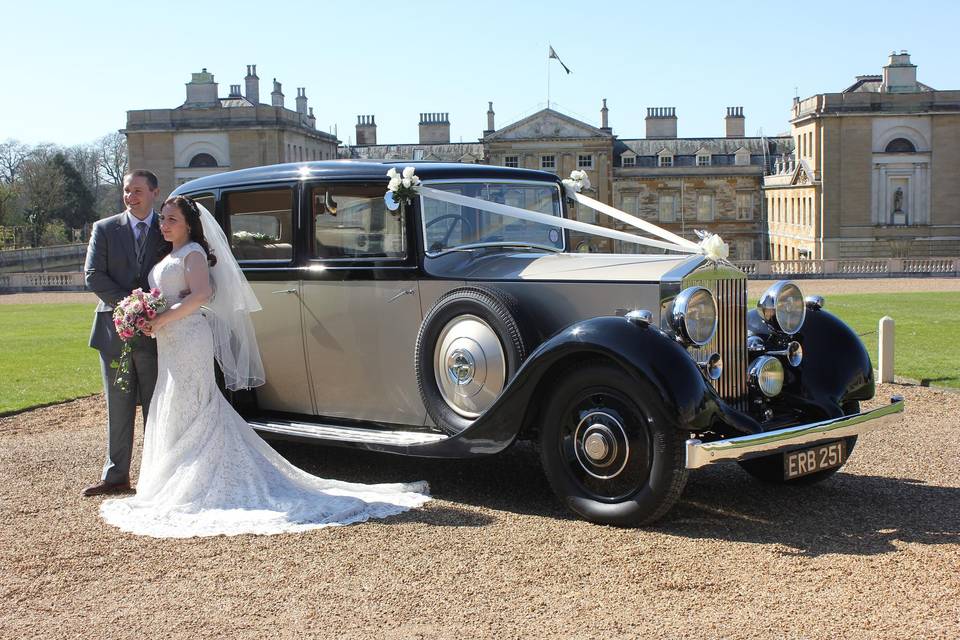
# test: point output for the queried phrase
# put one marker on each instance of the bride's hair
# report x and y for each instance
(192, 216)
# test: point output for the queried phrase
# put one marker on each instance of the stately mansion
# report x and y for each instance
(870, 171)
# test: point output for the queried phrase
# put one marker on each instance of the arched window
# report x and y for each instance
(203, 160)
(900, 145)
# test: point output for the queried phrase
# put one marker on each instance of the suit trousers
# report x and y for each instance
(122, 409)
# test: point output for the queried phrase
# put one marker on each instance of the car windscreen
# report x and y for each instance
(450, 226)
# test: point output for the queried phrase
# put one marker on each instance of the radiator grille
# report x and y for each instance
(730, 289)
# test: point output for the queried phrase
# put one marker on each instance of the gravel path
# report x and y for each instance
(873, 553)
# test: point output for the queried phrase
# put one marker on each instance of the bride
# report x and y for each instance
(204, 470)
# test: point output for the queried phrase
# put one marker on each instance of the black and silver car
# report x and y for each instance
(442, 330)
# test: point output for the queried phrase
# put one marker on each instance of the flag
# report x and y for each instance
(553, 54)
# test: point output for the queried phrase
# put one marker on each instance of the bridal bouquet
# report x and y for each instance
(130, 316)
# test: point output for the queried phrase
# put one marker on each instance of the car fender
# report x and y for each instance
(836, 367)
(644, 352)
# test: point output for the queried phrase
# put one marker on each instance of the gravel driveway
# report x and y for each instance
(873, 553)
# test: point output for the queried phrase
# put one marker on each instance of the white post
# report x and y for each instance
(885, 349)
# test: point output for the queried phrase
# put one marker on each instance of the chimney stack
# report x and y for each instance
(311, 119)
(661, 122)
(604, 117)
(899, 75)
(735, 122)
(490, 127)
(201, 90)
(434, 128)
(276, 97)
(253, 84)
(366, 131)
(302, 101)
(235, 91)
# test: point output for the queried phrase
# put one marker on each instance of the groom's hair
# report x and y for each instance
(150, 177)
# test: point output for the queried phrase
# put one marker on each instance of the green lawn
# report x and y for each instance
(927, 335)
(44, 356)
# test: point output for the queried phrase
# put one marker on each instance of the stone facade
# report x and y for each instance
(873, 173)
(208, 134)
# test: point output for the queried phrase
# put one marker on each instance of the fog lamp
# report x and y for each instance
(794, 354)
(766, 373)
(713, 366)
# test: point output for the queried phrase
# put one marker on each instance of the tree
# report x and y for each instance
(13, 154)
(42, 189)
(8, 203)
(76, 207)
(112, 156)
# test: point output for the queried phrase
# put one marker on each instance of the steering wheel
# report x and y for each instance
(454, 219)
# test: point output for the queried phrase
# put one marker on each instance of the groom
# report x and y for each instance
(122, 251)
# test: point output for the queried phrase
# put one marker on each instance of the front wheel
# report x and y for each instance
(608, 449)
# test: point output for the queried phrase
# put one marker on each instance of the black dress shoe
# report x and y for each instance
(103, 488)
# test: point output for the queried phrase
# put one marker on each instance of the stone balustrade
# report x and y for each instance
(850, 268)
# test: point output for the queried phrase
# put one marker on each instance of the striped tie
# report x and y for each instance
(141, 239)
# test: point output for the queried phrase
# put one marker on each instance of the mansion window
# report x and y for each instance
(548, 162)
(900, 145)
(705, 202)
(628, 161)
(744, 206)
(511, 161)
(202, 160)
(703, 160)
(584, 161)
(665, 161)
(667, 207)
(629, 203)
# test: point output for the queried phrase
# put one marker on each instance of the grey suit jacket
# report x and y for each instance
(112, 272)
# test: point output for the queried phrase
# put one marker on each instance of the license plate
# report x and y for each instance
(807, 461)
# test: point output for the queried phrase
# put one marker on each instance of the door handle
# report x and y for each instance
(285, 291)
(405, 292)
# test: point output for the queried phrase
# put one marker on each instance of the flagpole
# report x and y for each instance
(548, 82)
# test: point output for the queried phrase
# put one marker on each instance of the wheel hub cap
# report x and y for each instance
(601, 445)
(470, 365)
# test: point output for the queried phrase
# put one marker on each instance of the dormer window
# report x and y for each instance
(628, 159)
(703, 159)
(741, 157)
(664, 159)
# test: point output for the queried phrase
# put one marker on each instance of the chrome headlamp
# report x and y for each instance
(782, 307)
(694, 316)
(766, 373)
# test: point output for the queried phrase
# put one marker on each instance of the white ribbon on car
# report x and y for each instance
(676, 243)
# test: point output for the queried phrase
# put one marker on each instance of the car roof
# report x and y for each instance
(361, 170)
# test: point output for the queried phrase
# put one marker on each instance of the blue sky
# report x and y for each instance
(71, 70)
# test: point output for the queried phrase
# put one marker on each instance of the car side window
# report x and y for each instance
(353, 222)
(261, 224)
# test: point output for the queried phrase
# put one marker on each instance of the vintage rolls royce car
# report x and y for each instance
(445, 330)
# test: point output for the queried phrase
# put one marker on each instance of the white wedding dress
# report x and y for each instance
(206, 472)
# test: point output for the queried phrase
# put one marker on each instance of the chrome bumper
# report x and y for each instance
(700, 454)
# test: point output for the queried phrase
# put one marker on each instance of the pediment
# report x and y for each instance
(703, 151)
(547, 123)
(802, 174)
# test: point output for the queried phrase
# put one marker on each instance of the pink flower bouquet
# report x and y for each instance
(130, 316)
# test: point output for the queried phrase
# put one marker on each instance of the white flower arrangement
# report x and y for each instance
(713, 247)
(578, 181)
(403, 185)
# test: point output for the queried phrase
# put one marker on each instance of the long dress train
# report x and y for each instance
(206, 472)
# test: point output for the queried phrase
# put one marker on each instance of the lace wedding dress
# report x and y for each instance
(206, 472)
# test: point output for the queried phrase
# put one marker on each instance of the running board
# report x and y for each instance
(348, 434)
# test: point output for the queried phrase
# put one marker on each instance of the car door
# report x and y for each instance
(260, 222)
(361, 306)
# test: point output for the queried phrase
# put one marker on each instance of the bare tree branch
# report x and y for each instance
(112, 157)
